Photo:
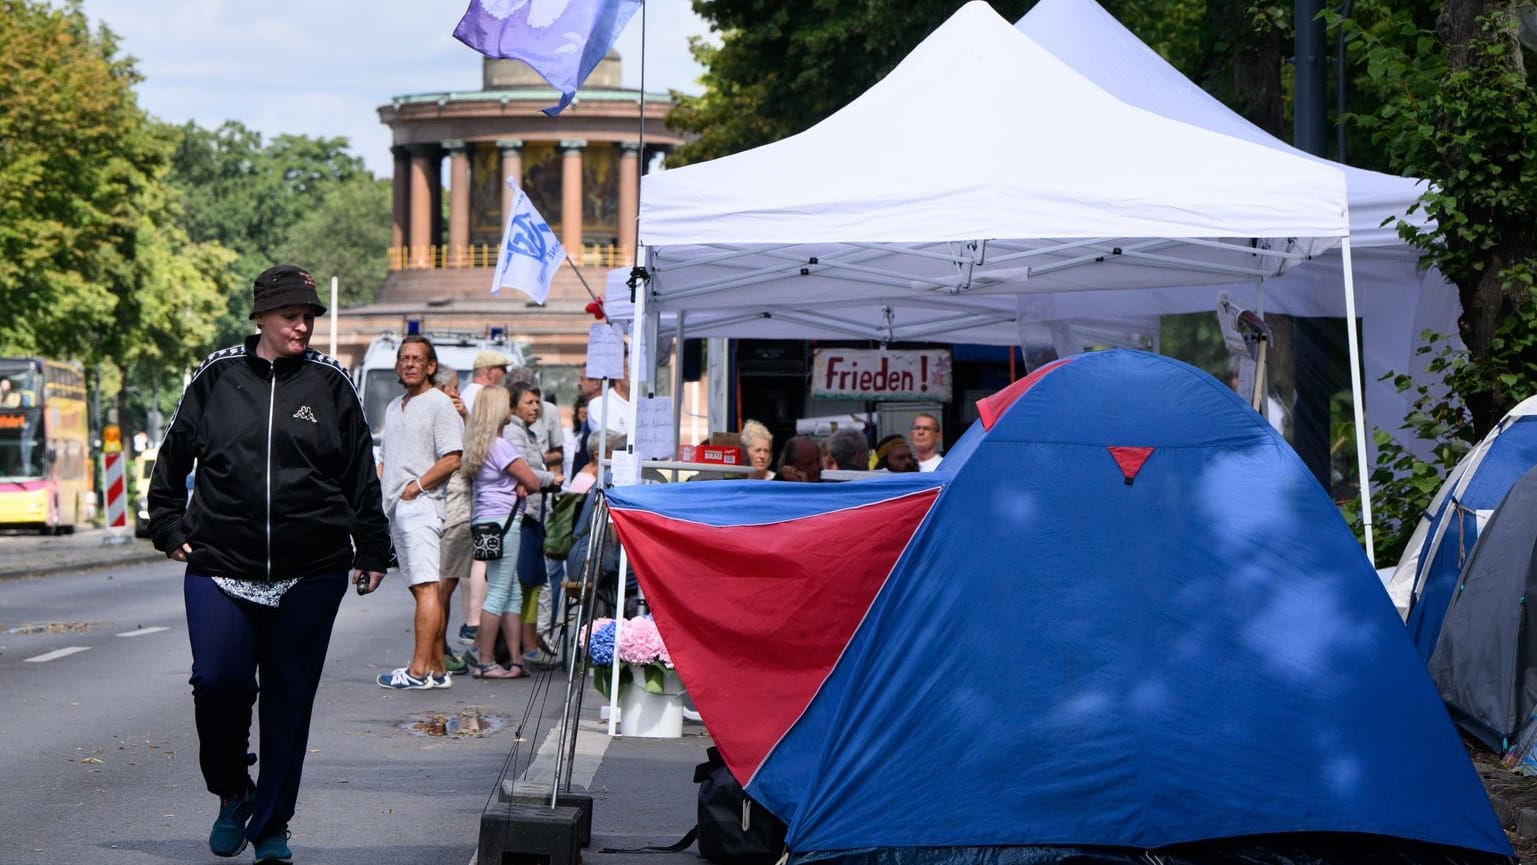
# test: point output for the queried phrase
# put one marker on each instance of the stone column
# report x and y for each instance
(571, 198)
(400, 198)
(629, 173)
(424, 170)
(458, 204)
(512, 170)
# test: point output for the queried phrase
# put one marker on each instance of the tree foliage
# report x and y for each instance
(1449, 100)
(93, 265)
(273, 202)
(346, 236)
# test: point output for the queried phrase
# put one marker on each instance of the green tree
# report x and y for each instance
(93, 265)
(346, 236)
(1461, 113)
(248, 196)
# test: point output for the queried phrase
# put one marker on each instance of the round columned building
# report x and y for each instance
(580, 169)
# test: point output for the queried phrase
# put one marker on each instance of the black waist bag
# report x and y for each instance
(733, 829)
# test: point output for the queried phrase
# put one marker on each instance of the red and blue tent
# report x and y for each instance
(1123, 617)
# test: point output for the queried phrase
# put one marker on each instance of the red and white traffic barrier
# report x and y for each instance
(117, 490)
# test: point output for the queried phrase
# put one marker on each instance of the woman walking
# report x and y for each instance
(502, 480)
(285, 502)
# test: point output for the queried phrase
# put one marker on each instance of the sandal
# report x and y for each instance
(494, 671)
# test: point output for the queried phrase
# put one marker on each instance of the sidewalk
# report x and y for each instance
(33, 555)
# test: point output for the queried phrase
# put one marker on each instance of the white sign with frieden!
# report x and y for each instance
(841, 373)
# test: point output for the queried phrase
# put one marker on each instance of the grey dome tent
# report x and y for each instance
(1485, 661)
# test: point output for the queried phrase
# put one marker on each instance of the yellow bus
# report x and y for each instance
(45, 454)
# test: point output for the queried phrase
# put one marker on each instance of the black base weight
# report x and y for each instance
(513, 833)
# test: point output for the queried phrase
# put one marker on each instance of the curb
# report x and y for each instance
(80, 559)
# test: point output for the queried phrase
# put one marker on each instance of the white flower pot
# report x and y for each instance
(651, 716)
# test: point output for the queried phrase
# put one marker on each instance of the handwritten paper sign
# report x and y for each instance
(625, 469)
(605, 352)
(839, 373)
(654, 436)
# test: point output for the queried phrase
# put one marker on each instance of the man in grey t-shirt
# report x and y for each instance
(423, 440)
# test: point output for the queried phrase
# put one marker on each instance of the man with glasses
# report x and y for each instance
(925, 440)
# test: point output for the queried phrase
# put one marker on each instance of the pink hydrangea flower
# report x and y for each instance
(593, 626)
(639, 642)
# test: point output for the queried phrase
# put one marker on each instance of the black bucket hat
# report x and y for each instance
(284, 285)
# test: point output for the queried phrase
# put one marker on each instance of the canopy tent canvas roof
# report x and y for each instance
(1040, 174)
(1052, 186)
(1396, 300)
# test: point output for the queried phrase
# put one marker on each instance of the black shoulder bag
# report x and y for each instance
(488, 537)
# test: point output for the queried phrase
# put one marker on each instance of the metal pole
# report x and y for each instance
(1310, 343)
(332, 352)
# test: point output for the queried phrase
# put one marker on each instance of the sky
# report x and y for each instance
(319, 68)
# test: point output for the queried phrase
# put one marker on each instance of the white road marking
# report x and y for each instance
(139, 632)
(591, 742)
(57, 654)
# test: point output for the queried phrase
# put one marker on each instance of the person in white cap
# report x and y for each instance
(489, 367)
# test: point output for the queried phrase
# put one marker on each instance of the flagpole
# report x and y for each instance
(578, 271)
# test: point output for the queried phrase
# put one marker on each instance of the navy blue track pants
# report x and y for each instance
(235, 645)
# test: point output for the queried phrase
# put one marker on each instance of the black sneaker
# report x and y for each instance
(273, 849)
(467, 634)
(228, 835)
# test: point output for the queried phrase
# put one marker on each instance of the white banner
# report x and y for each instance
(841, 373)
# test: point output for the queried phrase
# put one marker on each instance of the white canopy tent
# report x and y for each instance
(875, 224)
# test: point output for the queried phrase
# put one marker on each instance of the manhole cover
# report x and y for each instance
(463, 724)
(49, 628)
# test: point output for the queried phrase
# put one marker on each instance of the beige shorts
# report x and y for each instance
(457, 551)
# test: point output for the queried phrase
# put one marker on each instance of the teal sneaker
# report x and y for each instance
(228, 835)
(273, 849)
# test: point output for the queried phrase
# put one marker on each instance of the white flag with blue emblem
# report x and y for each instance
(530, 254)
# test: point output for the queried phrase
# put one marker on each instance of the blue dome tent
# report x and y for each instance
(1423, 583)
(1122, 618)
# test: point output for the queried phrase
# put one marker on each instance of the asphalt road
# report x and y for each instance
(100, 757)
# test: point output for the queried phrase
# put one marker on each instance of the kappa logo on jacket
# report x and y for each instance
(304, 413)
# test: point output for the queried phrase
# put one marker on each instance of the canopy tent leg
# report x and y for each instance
(642, 354)
(1357, 407)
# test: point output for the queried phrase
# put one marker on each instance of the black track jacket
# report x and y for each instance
(285, 482)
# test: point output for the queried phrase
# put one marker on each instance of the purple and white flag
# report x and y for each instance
(530, 254)
(562, 40)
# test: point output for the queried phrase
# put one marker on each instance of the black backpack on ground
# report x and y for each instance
(733, 829)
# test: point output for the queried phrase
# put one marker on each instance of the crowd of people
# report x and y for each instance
(803, 459)
(276, 427)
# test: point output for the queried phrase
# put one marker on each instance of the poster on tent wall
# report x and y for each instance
(842, 373)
